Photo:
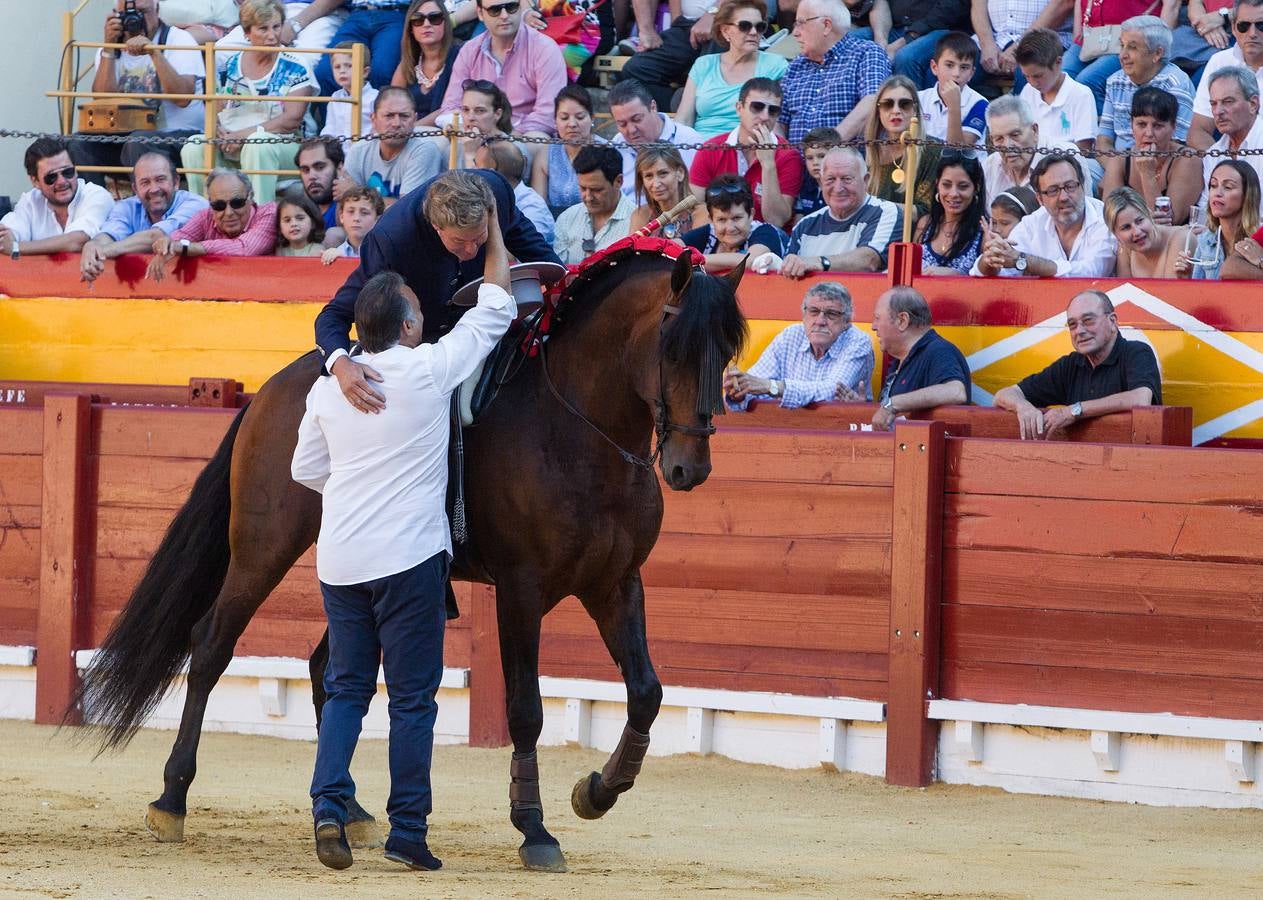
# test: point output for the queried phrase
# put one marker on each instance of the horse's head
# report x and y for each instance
(702, 331)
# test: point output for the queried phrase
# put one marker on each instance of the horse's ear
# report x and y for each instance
(682, 274)
(734, 276)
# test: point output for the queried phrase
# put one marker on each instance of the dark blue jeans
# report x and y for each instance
(381, 30)
(398, 620)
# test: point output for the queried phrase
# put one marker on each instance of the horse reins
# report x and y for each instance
(662, 425)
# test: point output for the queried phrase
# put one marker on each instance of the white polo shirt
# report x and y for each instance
(1253, 141)
(1071, 117)
(973, 115)
(33, 219)
(384, 475)
(1092, 255)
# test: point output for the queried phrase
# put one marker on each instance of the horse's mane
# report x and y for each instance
(709, 317)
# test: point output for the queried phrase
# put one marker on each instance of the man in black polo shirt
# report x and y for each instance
(1106, 373)
(929, 372)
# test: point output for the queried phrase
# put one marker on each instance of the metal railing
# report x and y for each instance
(69, 83)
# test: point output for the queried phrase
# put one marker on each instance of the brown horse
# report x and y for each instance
(561, 499)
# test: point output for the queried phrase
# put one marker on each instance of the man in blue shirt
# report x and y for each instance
(434, 237)
(929, 371)
(155, 209)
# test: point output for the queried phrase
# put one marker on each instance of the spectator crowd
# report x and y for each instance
(1093, 138)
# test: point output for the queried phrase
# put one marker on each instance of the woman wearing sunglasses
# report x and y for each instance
(426, 56)
(233, 225)
(733, 232)
(662, 181)
(888, 176)
(709, 101)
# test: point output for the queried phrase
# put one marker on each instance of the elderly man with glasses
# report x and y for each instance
(834, 82)
(775, 171)
(523, 62)
(232, 225)
(823, 357)
(60, 213)
(1066, 238)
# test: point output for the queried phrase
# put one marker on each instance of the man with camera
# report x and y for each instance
(139, 68)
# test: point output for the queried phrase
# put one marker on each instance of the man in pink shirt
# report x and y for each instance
(233, 225)
(522, 62)
(775, 176)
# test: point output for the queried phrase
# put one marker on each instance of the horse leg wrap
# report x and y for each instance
(524, 782)
(624, 764)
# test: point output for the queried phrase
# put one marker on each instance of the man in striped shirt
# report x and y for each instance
(824, 357)
(852, 232)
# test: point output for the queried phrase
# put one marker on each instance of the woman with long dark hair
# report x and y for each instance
(951, 233)
(426, 55)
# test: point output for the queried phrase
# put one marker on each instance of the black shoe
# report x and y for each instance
(331, 846)
(412, 854)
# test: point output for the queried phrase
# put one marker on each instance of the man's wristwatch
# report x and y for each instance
(1020, 265)
(15, 252)
(825, 265)
(184, 246)
(774, 388)
(889, 405)
(1076, 409)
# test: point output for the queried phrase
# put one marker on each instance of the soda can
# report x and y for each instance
(1162, 204)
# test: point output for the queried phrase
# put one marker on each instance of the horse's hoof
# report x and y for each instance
(542, 857)
(365, 834)
(167, 827)
(581, 798)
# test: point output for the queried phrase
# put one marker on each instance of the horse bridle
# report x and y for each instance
(662, 425)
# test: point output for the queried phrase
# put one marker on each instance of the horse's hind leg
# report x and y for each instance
(212, 643)
(518, 613)
(621, 620)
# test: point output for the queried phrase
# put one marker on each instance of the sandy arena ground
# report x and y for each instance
(73, 828)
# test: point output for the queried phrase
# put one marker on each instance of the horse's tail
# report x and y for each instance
(149, 642)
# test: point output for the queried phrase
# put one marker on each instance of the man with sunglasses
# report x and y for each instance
(1106, 373)
(232, 225)
(1247, 30)
(775, 175)
(523, 62)
(60, 213)
(1066, 238)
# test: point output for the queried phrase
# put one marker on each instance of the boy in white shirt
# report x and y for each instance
(952, 110)
(358, 211)
(338, 115)
(1064, 109)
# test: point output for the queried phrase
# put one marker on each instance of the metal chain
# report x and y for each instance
(549, 141)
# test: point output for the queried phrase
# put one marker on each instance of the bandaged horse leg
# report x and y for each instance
(593, 796)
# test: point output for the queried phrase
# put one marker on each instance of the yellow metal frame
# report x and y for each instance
(70, 80)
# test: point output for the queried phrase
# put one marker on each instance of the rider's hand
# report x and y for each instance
(353, 379)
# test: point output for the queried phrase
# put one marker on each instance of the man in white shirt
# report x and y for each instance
(1013, 132)
(1247, 51)
(1067, 238)
(383, 552)
(1234, 102)
(60, 213)
(396, 163)
(136, 69)
(636, 114)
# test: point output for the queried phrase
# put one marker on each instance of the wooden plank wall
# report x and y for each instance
(21, 492)
(1104, 577)
(773, 576)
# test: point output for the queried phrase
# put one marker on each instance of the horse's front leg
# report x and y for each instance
(620, 616)
(519, 609)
